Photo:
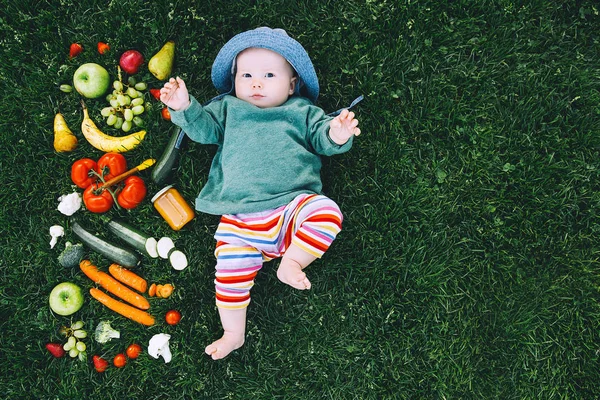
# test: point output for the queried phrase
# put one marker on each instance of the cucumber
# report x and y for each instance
(161, 172)
(119, 255)
(140, 241)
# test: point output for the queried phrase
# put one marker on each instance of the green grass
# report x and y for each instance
(468, 266)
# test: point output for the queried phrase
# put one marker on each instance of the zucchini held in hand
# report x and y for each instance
(165, 165)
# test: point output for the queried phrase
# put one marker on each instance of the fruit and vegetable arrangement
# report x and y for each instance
(113, 129)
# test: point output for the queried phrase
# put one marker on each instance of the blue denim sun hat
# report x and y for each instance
(276, 40)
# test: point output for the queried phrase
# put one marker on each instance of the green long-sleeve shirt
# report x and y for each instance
(265, 156)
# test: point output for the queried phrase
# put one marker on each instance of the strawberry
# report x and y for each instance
(103, 47)
(166, 114)
(100, 363)
(155, 93)
(56, 349)
(75, 49)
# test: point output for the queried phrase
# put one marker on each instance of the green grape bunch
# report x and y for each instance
(75, 346)
(127, 104)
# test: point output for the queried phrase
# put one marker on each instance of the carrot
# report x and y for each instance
(125, 310)
(166, 290)
(127, 277)
(152, 290)
(113, 286)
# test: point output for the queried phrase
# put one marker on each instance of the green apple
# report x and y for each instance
(91, 80)
(66, 298)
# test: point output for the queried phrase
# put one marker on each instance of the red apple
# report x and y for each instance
(131, 61)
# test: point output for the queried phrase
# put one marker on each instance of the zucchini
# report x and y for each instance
(119, 255)
(164, 246)
(167, 250)
(143, 243)
(177, 259)
(161, 172)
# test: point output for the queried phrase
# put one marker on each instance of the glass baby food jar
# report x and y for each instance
(172, 207)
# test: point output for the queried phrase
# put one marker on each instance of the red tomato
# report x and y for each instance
(120, 360)
(173, 317)
(166, 114)
(133, 351)
(111, 165)
(80, 172)
(97, 200)
(133, 193)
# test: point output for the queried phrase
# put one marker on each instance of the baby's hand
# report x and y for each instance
(343, 127)
(174, 94)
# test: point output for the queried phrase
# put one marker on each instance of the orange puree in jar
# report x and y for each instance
(172, 207)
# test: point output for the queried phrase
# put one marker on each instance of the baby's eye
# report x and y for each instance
(246, 75)
(269, 75)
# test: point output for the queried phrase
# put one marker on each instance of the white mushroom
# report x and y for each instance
(69, 203)
(56, 231)
(159, 346)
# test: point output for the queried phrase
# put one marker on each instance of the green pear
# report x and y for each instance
(161, 63)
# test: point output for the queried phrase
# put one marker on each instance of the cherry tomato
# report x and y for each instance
(133, 351)
(165, 114)
(111, 165)
(173, 317)
(120, 360)
(133, 193)
(80, 172)
(97, 200)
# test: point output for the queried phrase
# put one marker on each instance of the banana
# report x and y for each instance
(107, 143)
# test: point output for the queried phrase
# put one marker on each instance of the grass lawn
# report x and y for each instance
(468, 266)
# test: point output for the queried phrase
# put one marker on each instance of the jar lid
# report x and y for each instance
(160, 192)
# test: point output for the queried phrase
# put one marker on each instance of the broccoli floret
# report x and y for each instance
(71, 255)
(104, 332)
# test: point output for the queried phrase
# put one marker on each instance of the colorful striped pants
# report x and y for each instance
(245, 241)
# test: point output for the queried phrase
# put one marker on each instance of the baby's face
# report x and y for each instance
(263, 78)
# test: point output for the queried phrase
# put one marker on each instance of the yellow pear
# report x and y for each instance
(161, 63)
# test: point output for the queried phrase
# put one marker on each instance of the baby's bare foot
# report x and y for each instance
(222, 347)
(290, 272)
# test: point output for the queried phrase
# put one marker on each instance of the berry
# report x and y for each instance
(75, 50)
(56, 349)
(103, 47)
(100, 364)
(155, 93)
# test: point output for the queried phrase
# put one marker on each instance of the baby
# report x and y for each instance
(264, 180)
